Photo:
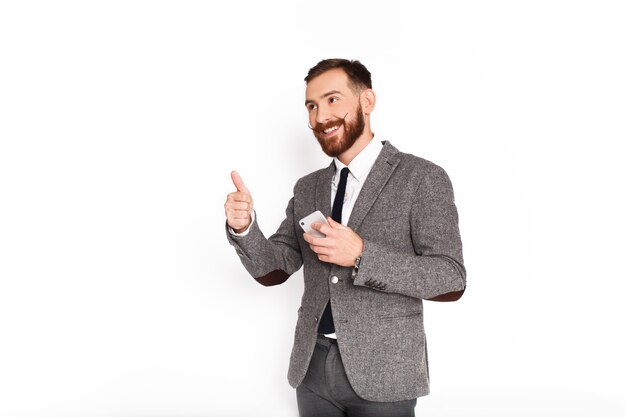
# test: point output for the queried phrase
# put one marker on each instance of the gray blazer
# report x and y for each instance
(406, 215)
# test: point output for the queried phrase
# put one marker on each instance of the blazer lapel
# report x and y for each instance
(384, 166)
(322, 200)
(323, 190)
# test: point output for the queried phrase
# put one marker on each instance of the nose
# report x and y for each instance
(322, 115)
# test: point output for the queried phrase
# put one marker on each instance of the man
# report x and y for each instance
(391, 242)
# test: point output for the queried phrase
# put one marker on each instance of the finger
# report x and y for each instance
(334, 224)
(312, 240)
(324, 258)
(316, 226)
(319, 241)
(325, 229)
(320, 250)
(239, 214)
(239, 182)
(239, 196)
(238, 205)
(230, 212)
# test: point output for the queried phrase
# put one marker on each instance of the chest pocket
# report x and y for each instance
(387, 227)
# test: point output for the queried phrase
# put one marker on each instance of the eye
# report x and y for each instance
(311, 106)
(333, 99)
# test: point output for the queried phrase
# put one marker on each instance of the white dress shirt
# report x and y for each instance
(360, 168)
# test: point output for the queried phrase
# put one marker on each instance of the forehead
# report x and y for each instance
(334, 79)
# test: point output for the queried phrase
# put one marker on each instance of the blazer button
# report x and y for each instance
(334, 280)
(315, 319)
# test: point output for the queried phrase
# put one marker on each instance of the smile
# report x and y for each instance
(331, 131)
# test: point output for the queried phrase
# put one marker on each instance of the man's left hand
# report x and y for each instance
(341, 246)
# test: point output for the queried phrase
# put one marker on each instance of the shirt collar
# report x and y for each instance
(363, 162)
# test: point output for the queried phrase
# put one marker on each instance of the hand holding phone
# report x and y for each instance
(315, 217)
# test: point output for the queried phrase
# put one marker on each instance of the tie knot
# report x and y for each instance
(344, 173)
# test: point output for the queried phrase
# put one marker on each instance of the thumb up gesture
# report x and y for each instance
(238, 206)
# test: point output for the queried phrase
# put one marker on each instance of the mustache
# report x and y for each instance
(319, 127)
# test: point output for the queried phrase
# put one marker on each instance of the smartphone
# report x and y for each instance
(315, 217)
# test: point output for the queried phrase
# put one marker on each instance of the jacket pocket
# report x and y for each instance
(378, 218)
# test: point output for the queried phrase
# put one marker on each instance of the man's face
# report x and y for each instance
(335, 113)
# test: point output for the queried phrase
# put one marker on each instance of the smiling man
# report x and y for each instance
(391, 241)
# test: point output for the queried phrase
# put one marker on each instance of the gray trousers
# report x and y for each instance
(326, 392)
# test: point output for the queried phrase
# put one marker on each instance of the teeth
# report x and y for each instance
(332, 129)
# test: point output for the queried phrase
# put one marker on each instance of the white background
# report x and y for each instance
(121, 121)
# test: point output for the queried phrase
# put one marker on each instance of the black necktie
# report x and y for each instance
(326, 323)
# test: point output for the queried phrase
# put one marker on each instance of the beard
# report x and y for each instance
(337, 145)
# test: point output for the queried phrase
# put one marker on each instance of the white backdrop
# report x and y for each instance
(121, 121)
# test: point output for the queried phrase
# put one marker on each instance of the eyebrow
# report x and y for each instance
(330, 93)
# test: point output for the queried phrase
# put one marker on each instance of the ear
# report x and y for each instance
(368, 100)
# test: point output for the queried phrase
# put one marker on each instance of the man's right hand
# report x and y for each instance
(238, 206)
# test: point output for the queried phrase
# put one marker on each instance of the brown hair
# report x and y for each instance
(358, 75)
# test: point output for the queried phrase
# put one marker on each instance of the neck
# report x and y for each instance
(358, 146)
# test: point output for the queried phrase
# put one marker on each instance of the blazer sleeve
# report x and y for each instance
(269, 261)
(435, 270)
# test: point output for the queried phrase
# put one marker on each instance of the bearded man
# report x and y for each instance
(391, 240)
